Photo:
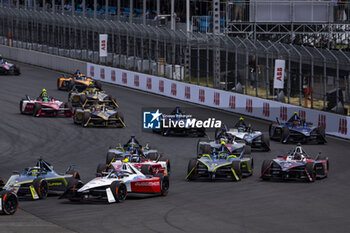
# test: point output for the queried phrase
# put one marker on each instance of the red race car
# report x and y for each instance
(296, 165)
(45, 106)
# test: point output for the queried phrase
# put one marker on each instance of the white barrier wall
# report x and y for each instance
(334, 124)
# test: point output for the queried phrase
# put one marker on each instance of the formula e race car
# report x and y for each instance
(221, 163)
(91, 96)
(78, 80)
(173, 121)
(36, 182)
(295, 165)
(296, 130)
(114, 185)
(8, 68)
(8, 200)
(99, 115)
(139, 156)
(46, 106)
(245, 134)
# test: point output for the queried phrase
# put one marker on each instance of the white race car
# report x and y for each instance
(114, 185)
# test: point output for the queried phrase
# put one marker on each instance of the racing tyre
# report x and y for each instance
(191, 169)
(98, 84)
(264, 168)
(119, 191)
(73, 186)
(236, 166)
(83, 99)
(247, 149)
(68, 111)
(36, 109)
(58, 84)
(86, 118)
(266, 141)
(74, 173)
(147, 170)
(70, 85)
(164, 185)
(110, 157)
(311, 171)
(41, 187)
(322, 135)
(21, 106)
(9, 202)
(284, 135)
(101, 168)
(152, 156)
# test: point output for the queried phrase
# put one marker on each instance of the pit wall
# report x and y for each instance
(334, 124)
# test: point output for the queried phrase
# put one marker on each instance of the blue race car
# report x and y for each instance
(36, 182)
(296, 130)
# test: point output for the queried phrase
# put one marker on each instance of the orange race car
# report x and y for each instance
(78, 80)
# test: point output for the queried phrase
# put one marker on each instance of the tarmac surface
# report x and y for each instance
(247, 206)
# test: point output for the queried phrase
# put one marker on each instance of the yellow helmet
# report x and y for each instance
(126, 160)
(44, 90)
(241, 119)
(295, 113)
(223, 143)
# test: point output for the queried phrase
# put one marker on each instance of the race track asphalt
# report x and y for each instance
(247, 206)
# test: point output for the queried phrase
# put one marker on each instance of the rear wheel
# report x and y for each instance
(9, 202)
(68, 109)
(74, 173)
(236, 166)
(164, 185)
(266, 140)
(102, 167)
(41, 187)
(284, 134)
(58, 84)
(73, 186)
(86, 118)
(322, 135)
(191, 169)
(311, 171)
(264, 168)
(36, 109)
(98, 84)
(110, 157)
(147, 169)
(119, 191)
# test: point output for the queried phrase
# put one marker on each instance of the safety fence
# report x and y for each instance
(314, 78)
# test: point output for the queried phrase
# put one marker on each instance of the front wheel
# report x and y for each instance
(164, 185)
(41, 187)
(9, 202)
(119, 191)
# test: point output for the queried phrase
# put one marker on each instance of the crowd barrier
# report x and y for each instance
(334, 124)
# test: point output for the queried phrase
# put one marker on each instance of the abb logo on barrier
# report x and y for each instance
(161, 86)
(124, 78)
(92, 71)
(283, 113)
(102, 73)
(149, 83)
(302, 115)
(266, 109)
(136, 80)
(217, 98)
(322, 121)
(232, 102)
(188, 92)
(201, 95)
(343, 126)
(113, 78)
(279, 74)
(249, 105)
(173, 89)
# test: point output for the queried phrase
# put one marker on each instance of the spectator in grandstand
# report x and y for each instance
(341, 15)
(238, 10)
(253, 68)
(67, 7)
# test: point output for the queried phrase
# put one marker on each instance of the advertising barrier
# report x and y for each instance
(334, 124)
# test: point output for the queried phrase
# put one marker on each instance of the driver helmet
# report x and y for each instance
(34, 171)
(297, 156)
(91, 83)
(44, 92)
(77, 72)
